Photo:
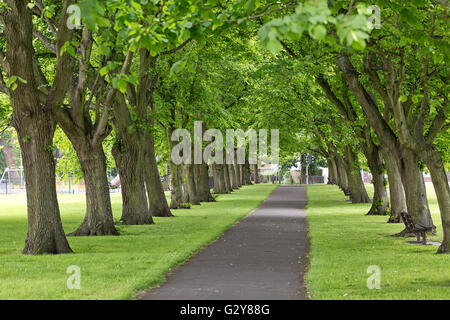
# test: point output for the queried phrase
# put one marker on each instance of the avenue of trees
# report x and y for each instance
(110, 90)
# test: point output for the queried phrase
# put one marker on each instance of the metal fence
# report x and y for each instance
(12, 181)
(312, 179)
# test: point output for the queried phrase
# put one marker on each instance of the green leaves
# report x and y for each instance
(315, 16)
(121, 82)
(93, 14)
(352, 30)
(269, 38)
(184, 35)
(49, 11)
(11, 82)
(69, 48)
(178, 66)
(252, 5)
(318, 32)
(110, 66)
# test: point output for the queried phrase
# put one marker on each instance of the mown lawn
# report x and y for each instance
(112, 267)
(345, 242)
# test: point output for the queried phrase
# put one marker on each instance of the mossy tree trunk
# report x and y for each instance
(35, 125)
(396, 191)
(129, 163)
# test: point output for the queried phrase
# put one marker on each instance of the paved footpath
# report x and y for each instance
(262, 257)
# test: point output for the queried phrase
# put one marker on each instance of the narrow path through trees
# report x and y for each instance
(262, 257)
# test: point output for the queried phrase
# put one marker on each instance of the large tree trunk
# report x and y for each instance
(189, 175)
(233, 177)
(415, 192)
(156, 197)
(358, 193)
(35, 128)
(176, 172)
(203, 189)
(396, 191)
(227, 180)
(256, 174)
(331, 171)
(434, 163)
(45, 232)
(342, 174)
(98, 220)
(184, 192)
(241, 174)
(219, 179)
(176, 194)
(129, 162)
(244, 174)
(247, 173)
(237, 169)
(412, 176)
(334, 163)
(380, 201)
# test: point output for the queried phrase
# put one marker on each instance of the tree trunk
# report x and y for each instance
(412, 176)
(219, 179)
(247, 173)
(226, 174)
(244, 174)
(176, 194)
(434, 163)
(233, 177)
(335, 171)
(184, 193)
(237, 169)
(203, 189)
(35, 128)
(342, 174)
(396, 191)
(241, 174)
(98, 220)
(156, 197)
(416, 197)
(129, 164)
(331, 171)
(45, 232)
(358, 193)
(256, 174)
(380, 201)
(189, 175)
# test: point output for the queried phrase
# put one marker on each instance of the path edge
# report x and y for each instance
(139, 294)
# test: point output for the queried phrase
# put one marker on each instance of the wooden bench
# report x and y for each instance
(411, 228)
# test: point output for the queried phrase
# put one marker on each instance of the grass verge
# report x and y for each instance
(345, 242)
(112, 267)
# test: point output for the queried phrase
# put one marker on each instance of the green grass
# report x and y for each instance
(345, 242)
(112, 267)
